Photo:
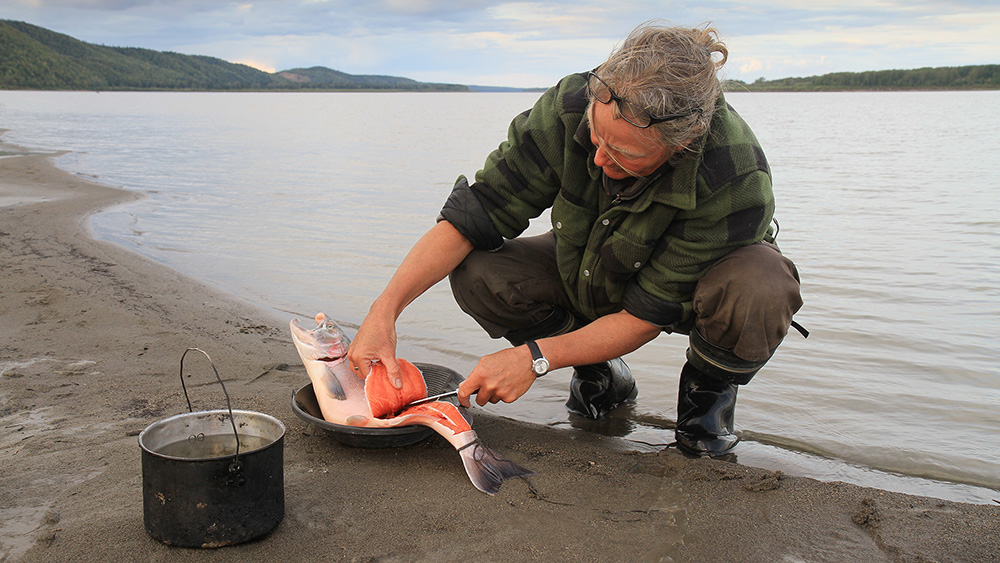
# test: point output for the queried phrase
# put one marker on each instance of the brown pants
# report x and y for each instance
(742, 306)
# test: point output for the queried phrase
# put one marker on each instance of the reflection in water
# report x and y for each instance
(618, 422)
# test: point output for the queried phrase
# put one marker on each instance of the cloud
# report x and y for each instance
(751, 66)
(531, 42)
(256, 64)
(865, 38)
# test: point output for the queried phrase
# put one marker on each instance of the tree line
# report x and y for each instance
(35, 58)
(974, 77)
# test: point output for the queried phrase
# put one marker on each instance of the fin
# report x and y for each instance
(357, 420)
(333, 386)
(488, 471)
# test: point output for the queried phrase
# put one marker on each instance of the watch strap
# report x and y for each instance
(536, 353)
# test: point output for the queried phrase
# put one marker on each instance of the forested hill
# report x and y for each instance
(35, 58)
(978, 77)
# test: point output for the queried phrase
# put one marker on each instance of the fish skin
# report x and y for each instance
(323, 350)
(346, 399)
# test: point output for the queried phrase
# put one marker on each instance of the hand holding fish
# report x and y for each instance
(345, 399)
(430, 260)
(375, 342)
(500, 376)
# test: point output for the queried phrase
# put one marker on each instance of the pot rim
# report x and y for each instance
(202, 414)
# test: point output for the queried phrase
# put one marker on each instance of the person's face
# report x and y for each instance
(623, 149)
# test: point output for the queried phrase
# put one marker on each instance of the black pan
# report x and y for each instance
(439, 379)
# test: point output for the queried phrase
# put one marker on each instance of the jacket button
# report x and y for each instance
(605, 222)
(558, 224)
(586, 273)
(638, 265)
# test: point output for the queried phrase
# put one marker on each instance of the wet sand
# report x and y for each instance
(90, 342)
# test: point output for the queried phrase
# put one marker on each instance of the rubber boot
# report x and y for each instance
(597, 388)
(705, 408)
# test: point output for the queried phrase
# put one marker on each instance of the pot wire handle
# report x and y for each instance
(235, 465)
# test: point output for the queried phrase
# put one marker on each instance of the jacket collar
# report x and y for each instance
(669, 185)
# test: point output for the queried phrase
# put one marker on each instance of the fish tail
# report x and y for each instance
(487, 470)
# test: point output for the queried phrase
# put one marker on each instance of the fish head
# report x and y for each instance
(326, 342)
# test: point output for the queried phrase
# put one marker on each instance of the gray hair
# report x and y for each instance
(669, 70)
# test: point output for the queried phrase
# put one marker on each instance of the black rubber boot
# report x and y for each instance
(597, 388)
(705, 407)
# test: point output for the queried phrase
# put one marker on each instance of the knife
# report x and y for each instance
(453, 393)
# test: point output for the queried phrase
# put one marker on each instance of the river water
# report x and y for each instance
(889, 203)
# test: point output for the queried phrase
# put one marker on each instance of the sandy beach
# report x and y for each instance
(90, 340)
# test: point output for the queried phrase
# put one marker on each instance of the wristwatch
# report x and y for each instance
(539, 364)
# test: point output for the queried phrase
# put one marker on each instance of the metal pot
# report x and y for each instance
(212, 478)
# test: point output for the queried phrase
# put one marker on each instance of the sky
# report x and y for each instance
(530, 44)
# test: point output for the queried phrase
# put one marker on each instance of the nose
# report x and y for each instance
(601, 158)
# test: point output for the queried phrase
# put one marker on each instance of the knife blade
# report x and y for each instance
(453, 393)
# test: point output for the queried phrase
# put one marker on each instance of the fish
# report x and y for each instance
(345, 398)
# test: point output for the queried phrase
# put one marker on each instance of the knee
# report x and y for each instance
(745, 302)
(756, 276)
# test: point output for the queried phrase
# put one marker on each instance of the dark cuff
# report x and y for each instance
(653, 310)
(466, 213)
(720, 363)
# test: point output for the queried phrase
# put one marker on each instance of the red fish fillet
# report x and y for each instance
(486, 469)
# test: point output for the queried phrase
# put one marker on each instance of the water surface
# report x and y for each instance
(887, 202)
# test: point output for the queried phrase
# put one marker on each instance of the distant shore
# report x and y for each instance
(47, 60)
(89, 348)
(742, 87)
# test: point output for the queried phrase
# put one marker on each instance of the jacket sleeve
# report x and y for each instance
(641, 304)
(465, 212)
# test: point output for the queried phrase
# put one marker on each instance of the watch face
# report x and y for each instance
(541, 366)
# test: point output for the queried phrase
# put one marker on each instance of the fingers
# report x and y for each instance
(497, 377)
(482, 397)
(363, 369)
(375, 342)
(468, 388)
(356, 360)
(362, 359)
(465, 390)
(394, 372)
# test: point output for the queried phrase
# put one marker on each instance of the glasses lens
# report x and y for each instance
(599, 89)
(633, 113)
(604, 94)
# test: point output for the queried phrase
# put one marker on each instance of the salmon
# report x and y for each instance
(346, 399)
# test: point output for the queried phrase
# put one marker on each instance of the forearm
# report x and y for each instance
(432, 258)
(608, 337)
(506, 375)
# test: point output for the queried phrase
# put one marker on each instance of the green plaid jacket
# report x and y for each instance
(643, 253)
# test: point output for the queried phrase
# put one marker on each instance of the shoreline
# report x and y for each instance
(756, 450)
(91, 337)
